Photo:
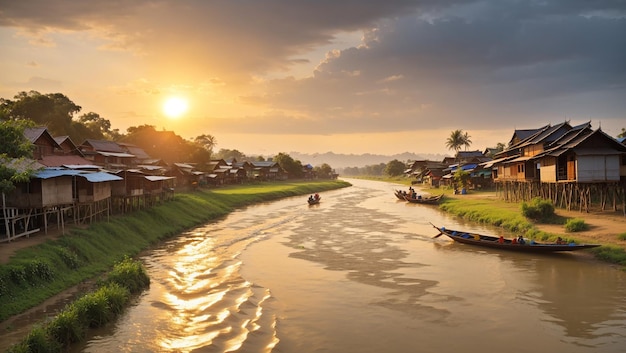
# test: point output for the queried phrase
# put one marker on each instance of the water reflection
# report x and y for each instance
(361, 272)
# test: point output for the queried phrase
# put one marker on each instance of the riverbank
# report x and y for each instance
(86, 252)
(606, 228)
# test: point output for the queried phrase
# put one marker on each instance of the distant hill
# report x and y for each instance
(340, 161)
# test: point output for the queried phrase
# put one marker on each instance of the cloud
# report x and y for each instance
(421, 65)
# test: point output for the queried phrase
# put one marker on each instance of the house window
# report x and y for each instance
(520, 168)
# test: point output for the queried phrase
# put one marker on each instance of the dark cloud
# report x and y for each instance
(423, 64)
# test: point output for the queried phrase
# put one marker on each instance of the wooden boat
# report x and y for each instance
(399, 194)
(489, 241)
(314, 201)
(428, 199)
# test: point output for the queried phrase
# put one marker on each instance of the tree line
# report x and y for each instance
(61, 117)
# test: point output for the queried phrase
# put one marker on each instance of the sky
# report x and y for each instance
(342, 76)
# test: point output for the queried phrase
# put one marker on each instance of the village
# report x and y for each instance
(573, 166)
(98, 178)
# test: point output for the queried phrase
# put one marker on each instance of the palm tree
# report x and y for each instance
(457, 139)
(466, 140)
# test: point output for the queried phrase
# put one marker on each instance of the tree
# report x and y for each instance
(93, 126)
(291, 166)
(457, 140)
(622, 134)
(395, 168)
(208, 142)
(15, 149)
(461, 177)
(53, 110)
(230, 154)
(323, 171)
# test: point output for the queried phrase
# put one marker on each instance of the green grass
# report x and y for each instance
(575, 225)
(84, 253)
(92, 310)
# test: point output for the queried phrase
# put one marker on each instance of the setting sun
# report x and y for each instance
(174, 107)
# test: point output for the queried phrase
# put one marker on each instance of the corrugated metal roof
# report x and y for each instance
(55, 173)
(98, 177)
(92, 177)
(116, 154)
(158, 177)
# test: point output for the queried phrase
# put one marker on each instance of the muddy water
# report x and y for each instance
(361, 272)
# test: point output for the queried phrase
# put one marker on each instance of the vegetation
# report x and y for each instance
(395, 168)
(538, 209)
(461, 178)
(92, 310)
(621, 236)
(36, 273)
(287, 163)
(458, 139)
(575, 225)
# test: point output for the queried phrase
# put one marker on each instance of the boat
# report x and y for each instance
(400, 194)
(314, 201)
(428, 199)
(494, 242)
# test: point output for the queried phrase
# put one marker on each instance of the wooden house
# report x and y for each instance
(571, 165)
(268, 171)
(107, 154)
(52, 151)
(584, 157)
(518, 162)
(44, 144)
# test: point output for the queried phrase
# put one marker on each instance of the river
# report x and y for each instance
(361, 272)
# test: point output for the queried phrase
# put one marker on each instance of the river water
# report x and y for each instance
(361, 272)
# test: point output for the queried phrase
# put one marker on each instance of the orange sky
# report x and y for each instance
(344, 76)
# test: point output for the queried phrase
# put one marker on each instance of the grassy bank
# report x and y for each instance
(93, 310)
(36, 273)
(509, 216)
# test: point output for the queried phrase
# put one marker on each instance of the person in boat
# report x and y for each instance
(514, 240)
(559, 240)
(501, 240)
(317, 197)
(311, 198)
(520, 240)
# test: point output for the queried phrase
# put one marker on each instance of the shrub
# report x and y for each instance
(130, 275)
(66, 327)
(69, 258)
(621, 236)
(93, 309)
(538, 209)
(36, 341)
(117, 297)
(575, 225)
(38, 269)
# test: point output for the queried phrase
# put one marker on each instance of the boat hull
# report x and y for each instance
(487, 241)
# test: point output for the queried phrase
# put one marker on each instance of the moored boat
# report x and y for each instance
(489, 241)
(400, 194)
(428, 199)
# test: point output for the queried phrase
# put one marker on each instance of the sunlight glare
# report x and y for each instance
(175, 107)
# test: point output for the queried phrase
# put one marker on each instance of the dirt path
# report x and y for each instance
(604, 226)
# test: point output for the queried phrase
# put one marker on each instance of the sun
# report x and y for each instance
(175, 107)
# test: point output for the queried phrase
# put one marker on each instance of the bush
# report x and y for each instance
(621, 236)
(69, 258)
(66, 327)
(36, 341)
(117, 297)
(538, 209)
(130, 275)
(575, 225)
(93, 309)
